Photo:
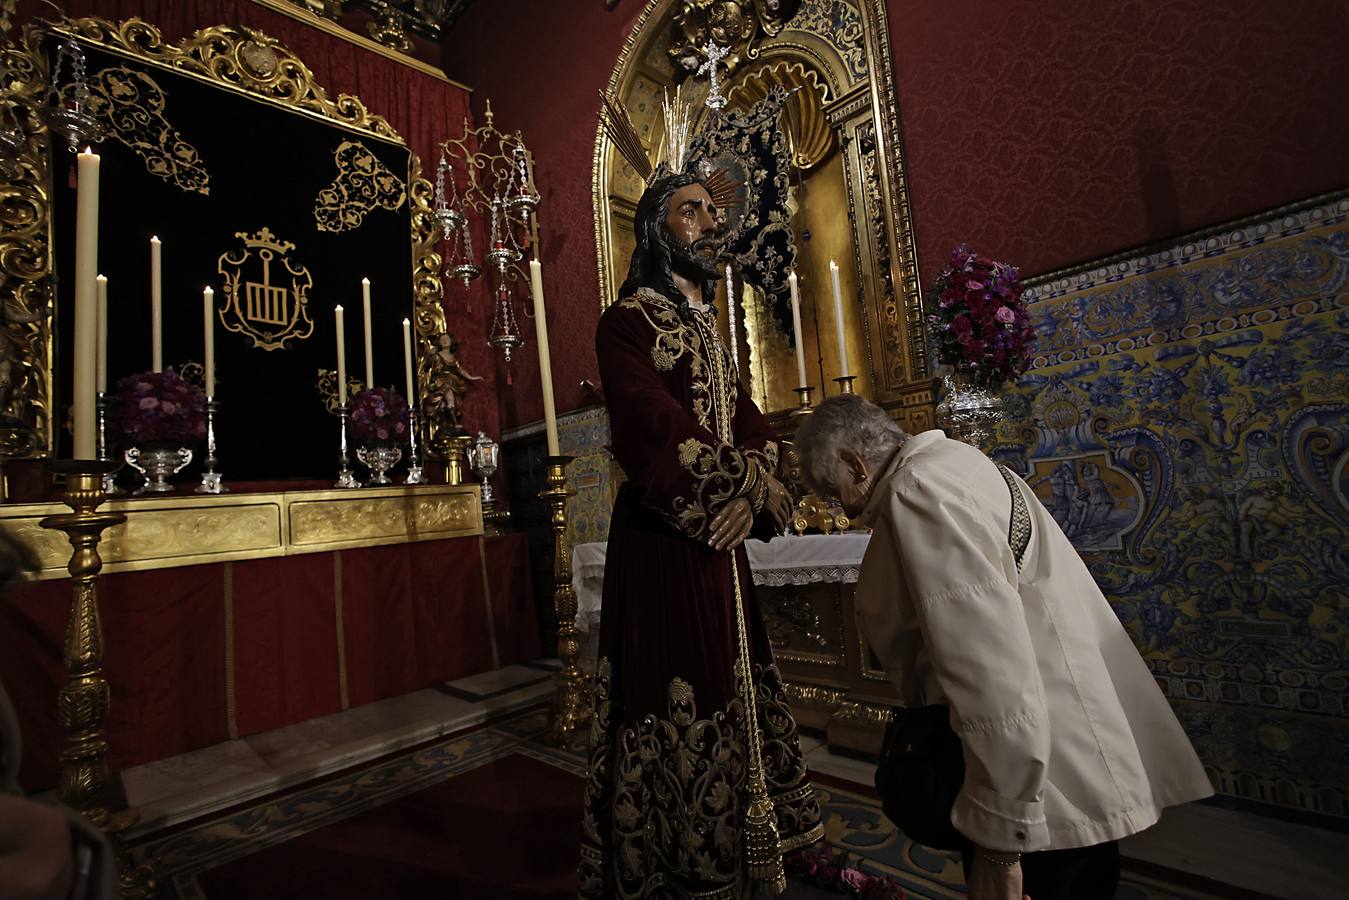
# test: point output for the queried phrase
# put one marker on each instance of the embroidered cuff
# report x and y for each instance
(995, 822)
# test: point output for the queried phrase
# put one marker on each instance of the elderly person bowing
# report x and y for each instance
(974, 600)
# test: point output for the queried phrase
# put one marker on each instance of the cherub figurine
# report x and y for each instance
(449, 382)
(11, 345)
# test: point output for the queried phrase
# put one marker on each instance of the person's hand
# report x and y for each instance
(778, 502)
(36, 862)
(990, 881)
(731, 526)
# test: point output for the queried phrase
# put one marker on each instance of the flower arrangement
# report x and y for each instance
(825, 867)
(379, 416)
(158, 407)
(980, 324)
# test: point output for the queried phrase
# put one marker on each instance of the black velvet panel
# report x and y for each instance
(266, 165)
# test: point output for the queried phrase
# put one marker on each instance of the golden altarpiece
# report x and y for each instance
(187, 530)
(842, 122)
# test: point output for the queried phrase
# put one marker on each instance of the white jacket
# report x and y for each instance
(1068, 741)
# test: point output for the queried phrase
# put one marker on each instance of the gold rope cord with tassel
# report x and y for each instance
(763, 850)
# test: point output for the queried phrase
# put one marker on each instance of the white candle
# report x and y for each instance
(838, 321)
(796, 326)
(102, 351)
(545, 363)
(369, 345)
(341, 355)
(407, 357)
(86, 305)
(156, 308)
(208, 317)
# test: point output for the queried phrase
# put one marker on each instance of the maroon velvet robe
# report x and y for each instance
(666, 790)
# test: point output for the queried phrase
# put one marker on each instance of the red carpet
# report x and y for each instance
(510, 829)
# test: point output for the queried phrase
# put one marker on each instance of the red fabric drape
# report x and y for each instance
(513, 610)
(164, 637)
(413, 615)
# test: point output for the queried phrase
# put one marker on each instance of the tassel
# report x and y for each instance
(762, 850)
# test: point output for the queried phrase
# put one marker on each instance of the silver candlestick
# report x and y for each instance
(345, 479)
(211, 480)
(109, 484)
(415, 475)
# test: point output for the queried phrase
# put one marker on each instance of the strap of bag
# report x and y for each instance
(1018, 529)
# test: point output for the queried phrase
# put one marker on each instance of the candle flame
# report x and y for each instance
(406, 322)
(337, 308)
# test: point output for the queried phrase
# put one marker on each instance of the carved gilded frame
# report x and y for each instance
(233, 58)
(865, 112)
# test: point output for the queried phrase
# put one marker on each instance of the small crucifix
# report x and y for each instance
(715, 54)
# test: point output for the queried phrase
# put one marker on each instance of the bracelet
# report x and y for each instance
(1006, 860)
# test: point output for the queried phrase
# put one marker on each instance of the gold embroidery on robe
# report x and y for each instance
(677, 786)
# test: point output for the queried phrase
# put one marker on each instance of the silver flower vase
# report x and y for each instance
(968, 413)
(157, 464)
(379, 460)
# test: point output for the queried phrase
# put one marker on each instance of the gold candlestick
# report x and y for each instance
(454, 459)
(82, 704)
(845, 384)
(570, 704)
(805, 408)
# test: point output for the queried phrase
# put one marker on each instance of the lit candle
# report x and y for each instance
(838, 321)
(545, 364)
(86, 305)
(796, 326)
(208, 316)
(156, 308)
(369, 345)
(102, 351)
(407, 357)
(341, 355)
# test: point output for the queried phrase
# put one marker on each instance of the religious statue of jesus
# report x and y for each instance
(696, 783)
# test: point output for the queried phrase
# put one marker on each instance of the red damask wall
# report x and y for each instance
(1054, 133)
(1046, 132)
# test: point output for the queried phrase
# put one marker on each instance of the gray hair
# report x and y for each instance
(845, 422)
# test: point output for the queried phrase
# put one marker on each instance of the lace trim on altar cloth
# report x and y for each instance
(808, 575)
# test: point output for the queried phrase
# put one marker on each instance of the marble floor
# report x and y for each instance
(204, 781)
(1256, 855)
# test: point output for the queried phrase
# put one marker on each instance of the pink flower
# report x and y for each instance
(974, 285)
(1005, 315)
(168, 407)
(382, 433)
(855, 878)
(148, 403)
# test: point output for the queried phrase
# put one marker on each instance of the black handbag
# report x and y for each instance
(922, 763)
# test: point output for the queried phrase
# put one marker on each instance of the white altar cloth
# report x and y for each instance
(795, 559)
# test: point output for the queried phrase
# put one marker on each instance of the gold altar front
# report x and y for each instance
(174, 531)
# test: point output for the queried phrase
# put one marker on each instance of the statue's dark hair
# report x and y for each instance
(651, 259)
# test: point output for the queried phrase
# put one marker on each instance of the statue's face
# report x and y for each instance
(691, 219)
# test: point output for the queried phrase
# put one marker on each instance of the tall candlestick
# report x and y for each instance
(102, 352)
(796, 326)
(407, 358)
(545, 363)
(208, 319)
(838, 321)
(341, 355)
(86, 306)
(369, 344)
(156, 307)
